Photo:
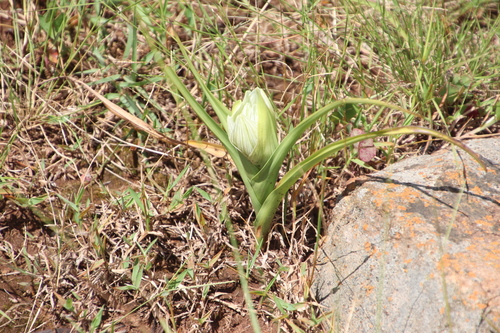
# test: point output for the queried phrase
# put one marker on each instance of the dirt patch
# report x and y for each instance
(24, 246)
(28, 264)
(59, 274)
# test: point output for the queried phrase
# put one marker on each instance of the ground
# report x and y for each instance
(99, 234)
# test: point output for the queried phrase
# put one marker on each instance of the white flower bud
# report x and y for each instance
(252, 127)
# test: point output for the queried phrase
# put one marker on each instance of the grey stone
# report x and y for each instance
(416, 247)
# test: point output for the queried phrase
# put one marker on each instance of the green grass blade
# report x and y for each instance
(220, 109)
(241, 272)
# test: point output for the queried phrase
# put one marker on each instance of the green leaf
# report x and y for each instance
(283, 306)
(3, 314)
(68, 305)
(263, 222)
(176, 280)
(264, 181)
(137, 275)
(244, 166)
(97, 320)
(111, 78)
(203, 193)
(30, 202)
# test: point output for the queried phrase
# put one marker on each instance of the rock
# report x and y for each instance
(416, 247)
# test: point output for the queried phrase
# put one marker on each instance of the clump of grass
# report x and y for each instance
(127, 238)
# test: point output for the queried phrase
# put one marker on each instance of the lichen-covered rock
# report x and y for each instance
(416, 247)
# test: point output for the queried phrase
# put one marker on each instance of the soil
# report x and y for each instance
(35, 295)
(97, 234)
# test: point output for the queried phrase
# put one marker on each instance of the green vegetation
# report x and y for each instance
(105, 227)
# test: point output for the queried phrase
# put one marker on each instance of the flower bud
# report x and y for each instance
(251, 127)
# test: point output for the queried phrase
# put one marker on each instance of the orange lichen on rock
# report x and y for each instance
(454, 176)
(487, 224)
(371, 249)
(369, 289)
(476, 190)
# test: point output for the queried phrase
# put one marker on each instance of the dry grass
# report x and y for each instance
(100, 235)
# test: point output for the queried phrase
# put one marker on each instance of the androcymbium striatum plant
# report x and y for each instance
(248, 133)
